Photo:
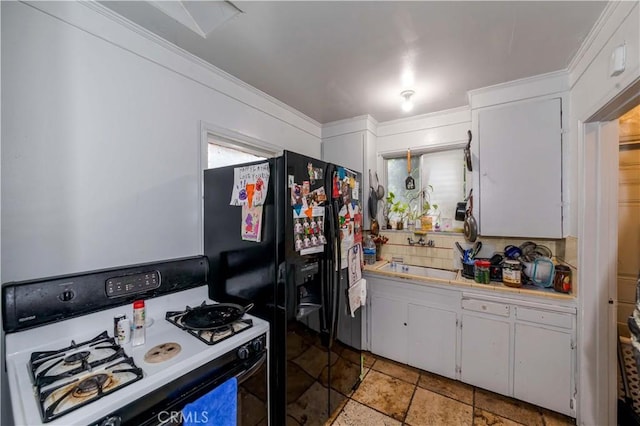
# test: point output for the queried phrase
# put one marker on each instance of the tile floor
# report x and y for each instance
(390, 393)
(396, 394)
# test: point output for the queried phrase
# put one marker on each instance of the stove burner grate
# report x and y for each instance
(59, 400)
(212, 335)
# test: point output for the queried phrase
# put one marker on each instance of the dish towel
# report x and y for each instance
(219, 407)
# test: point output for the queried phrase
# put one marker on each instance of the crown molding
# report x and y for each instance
(132, 26)
(350, 125)
(592, 36)
(430, 115)
(537, 85)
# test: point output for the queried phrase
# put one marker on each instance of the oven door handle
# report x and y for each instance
(245, 374)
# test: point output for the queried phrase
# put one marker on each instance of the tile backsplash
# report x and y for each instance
(443, 254)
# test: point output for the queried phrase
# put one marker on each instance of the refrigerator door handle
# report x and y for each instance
(335, 288)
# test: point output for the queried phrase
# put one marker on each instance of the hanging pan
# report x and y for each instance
(409, 183)
(470, 224)
(373, 199)
(467, 152)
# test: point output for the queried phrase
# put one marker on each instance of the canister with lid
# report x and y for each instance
(512, 273)
(481, 273)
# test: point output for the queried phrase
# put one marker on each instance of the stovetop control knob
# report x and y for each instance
(257, 345)
(243, 352)
(111, 421)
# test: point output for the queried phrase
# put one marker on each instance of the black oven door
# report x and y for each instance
(165, 405)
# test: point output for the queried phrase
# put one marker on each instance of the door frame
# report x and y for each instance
(598, 145)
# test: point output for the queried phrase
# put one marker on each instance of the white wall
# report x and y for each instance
(424, 131)
(592, 89)
(101, 140)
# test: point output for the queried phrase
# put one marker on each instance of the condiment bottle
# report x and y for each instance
(138, 335)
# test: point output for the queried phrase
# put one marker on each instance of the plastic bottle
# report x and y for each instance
(138, 336)
(369, 250)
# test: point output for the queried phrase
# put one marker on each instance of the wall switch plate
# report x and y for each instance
(618, 60)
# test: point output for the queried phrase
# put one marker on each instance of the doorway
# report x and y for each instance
(628, 261)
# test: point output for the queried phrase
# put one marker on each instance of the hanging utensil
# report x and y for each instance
(467, 152)
(380, 189)
(470, 224)
(476, 249)
(461, 208)
(409, 183)
(373, 199)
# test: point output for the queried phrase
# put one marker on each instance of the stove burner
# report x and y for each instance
(92, 385)
(162, 352)
(211, 330)
(77, 357)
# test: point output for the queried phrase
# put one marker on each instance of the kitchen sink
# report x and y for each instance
(421, 271)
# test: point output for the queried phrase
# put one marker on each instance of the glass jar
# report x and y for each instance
(481, 272)
(562, 279)
(512, 273)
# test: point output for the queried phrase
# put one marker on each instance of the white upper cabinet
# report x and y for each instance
(520, 169)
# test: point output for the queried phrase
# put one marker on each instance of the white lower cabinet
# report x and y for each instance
(485, 352)
(389, 335)
(519, 348)
(432, 339)
(543, 365)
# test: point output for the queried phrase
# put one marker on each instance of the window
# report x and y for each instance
(223, 153)
(440, 175)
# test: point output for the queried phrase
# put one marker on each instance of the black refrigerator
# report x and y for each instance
(296, 275)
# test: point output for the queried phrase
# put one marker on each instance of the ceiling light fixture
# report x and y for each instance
(407, 104)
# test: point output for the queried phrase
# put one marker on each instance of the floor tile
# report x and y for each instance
(354, 357)
(399, 371)
(556, 419)
(344, 375)
(251, 409)
(337, 412)
(447, 387)
(314, 360)
(295, 345)
(485, 418)
(356, 414)
(311, 408)
(430, 408)
(510, 408)
(385, 393)
(298, 381)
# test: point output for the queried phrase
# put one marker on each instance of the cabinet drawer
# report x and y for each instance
(544, 317)
(486, 307)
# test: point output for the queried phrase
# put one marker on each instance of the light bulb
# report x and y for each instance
(407, 104)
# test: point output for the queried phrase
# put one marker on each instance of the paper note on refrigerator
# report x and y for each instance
(251, 226)
(355, 297)
(354, 264)
(250, 185)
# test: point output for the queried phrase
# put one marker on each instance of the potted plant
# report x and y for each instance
(428, 209)
(399, 208)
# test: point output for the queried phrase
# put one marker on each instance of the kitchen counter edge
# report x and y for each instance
(460, 281)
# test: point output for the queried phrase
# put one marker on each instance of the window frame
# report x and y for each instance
(419, 152)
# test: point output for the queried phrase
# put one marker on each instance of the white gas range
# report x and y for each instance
(74, 372)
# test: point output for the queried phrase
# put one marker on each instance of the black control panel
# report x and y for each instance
(32, 303)
(132, 284)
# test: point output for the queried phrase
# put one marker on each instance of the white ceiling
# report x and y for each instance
(334, 60)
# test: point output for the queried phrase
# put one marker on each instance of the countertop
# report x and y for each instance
(460, 281)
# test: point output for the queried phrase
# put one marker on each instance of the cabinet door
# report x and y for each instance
(389, 328)
(485, 353)
(520, 170)
(543, 367)
(432, 340)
